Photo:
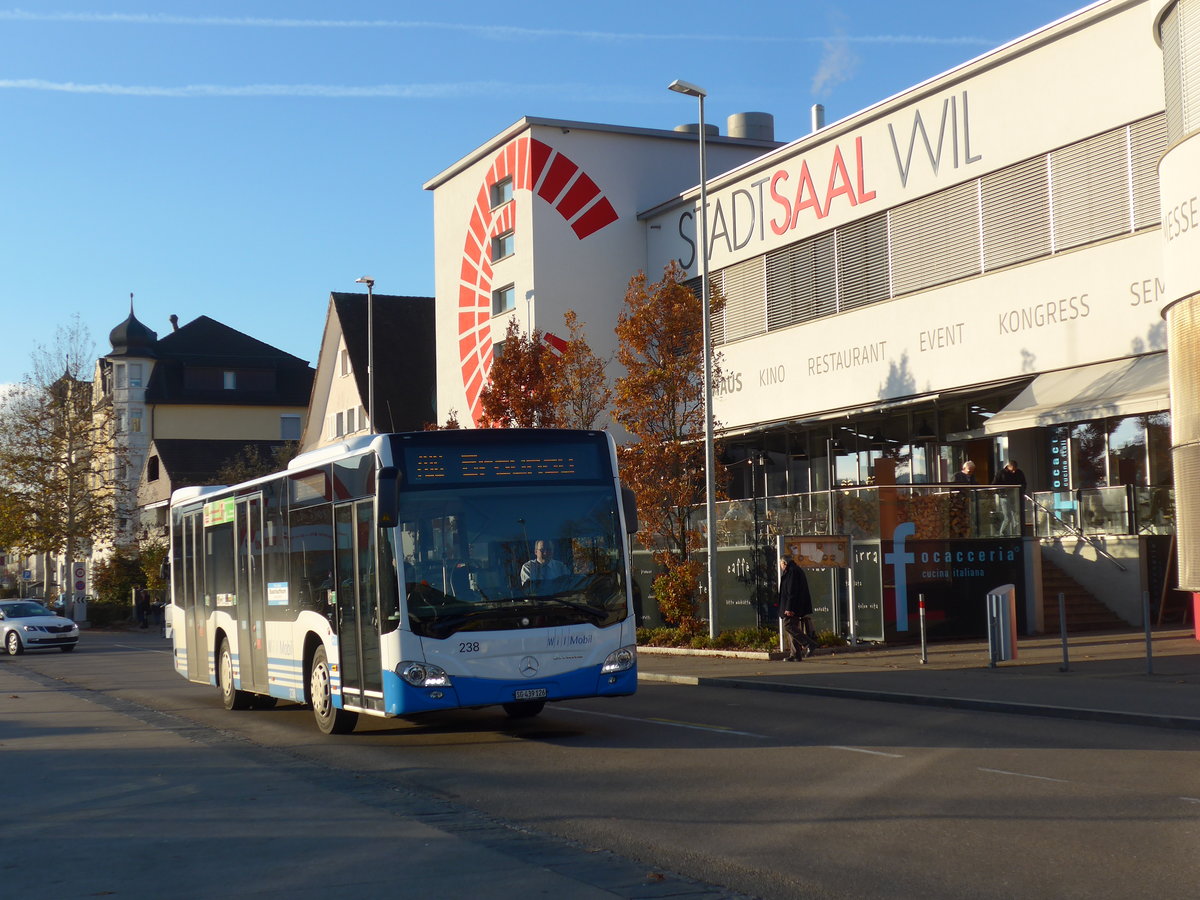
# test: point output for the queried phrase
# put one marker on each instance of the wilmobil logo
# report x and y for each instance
(563, 641)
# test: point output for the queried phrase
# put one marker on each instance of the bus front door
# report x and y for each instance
(251, 605)
(357, 605)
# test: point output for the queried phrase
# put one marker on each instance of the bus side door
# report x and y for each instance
(357, 604)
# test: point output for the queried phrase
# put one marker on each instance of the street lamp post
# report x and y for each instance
(710, 492)
(370, 283)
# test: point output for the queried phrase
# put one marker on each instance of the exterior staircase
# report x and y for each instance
(1084, 612)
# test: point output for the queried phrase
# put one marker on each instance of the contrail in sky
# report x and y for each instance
(398, 91)
(497, 32)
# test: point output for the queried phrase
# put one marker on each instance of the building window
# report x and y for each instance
(502, 192)
(339, 427)
(350, 429)
(289, 428)
(120, 422)
(135, 375)
(502, 246)
(152, 469)
(497, 350)
(120, 376)
(345, 360)
(135, 421)
(362, 418)
(504, 300)
(229, 380)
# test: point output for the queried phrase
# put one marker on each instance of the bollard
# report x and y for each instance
(1146, 620)
(924, 646)
(1062, 629)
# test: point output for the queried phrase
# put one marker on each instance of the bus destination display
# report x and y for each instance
(457, 465)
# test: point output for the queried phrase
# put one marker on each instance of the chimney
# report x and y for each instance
(174, 322)
(818, 117)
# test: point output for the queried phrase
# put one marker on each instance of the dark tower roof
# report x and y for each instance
(132, 338)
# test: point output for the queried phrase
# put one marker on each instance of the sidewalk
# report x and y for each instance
(1106, 679)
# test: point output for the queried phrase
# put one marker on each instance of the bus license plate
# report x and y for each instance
(532, 694)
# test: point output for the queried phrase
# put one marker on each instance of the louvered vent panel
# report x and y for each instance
(1090, 186)
(1186, 460)
(801, 282)
(1172, 74)
(1183, 328)
(745, 299)
(862, 261)
(1189, 64)
(1016, 214)
(1148, 139)
(935, 239)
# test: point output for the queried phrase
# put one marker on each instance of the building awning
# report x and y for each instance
(1124, 387)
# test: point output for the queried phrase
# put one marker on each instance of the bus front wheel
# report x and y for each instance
(231, 697)
(330, 719)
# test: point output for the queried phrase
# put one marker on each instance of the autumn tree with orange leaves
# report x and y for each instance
(580, 391)
(660, 402)
(519, 392)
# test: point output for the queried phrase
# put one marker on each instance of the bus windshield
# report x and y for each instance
(489, 559)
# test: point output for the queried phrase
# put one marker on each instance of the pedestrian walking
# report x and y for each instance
(796, 610)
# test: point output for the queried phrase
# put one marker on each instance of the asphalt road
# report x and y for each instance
(759, 794)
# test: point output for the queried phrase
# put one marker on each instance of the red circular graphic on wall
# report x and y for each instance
(542, 170)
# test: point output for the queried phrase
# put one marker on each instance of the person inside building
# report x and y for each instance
(966, 475)
(1010, 506)
(543, 568)
(796, 610)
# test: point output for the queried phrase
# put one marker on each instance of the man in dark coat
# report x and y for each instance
(796, 609)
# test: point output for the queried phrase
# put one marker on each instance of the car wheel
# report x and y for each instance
(525, 709)
(13, 645)
(330, 719)
(230, 696)
(67, 649)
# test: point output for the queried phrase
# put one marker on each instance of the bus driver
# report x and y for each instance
(543, 567)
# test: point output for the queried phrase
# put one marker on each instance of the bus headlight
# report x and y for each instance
(619, 660)
(423, 675)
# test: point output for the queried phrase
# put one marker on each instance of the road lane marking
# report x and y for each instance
(869, 752)
(1190, 799)
(142, 649)
(1024, 775)
(674, 724)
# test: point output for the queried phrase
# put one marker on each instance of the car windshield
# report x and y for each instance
(24, 610)
(485, 559)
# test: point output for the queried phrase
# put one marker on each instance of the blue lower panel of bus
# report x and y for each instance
(467, 692)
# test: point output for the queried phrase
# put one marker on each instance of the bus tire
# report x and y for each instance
(231, 697)
(330, 719)
(524, 709)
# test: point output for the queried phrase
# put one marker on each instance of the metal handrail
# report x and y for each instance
(1078, 533)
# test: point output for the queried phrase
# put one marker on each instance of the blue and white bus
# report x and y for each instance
(397, 574)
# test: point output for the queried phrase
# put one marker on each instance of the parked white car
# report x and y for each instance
(27, 625)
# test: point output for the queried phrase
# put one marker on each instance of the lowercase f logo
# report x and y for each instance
(900, 559)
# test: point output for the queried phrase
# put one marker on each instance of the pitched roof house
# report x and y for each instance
(405, 368)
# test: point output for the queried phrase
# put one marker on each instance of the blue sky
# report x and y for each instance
(243, 159)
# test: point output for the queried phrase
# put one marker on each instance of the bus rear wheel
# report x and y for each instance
(231, 697)
(524, 709)
(330, 719)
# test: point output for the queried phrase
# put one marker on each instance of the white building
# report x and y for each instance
(970, 269)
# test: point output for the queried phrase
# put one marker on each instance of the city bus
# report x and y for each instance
(398, 574)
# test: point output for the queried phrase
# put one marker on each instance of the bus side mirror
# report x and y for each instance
(387, 500)
(629, 502)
